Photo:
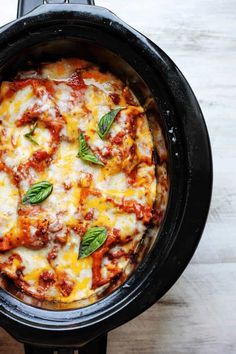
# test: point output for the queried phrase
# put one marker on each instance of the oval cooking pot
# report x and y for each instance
(58, 29)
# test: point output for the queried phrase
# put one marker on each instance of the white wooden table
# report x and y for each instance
(198, 315)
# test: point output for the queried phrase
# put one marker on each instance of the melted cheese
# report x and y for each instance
(79, 188)
(9, 198)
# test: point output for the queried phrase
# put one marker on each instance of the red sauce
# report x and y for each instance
(142, 212)
(46, 279)
(157, 216)
(132, 176)
(36, 240)
(115, 98)
(89, 215)
(52, 254)
(10, 91)
(65, 284)
(36, 84)
(39, 161)
(84, 193)
(76, 81)
(28, 117)
(98, 257)
(49, 87)
(9, 171)
(67, 186)
(6, 243)
(10, 261)
(29, 210)
(40, 156)
(132, 124)
(118, 254)
(54, 124)
(14, 256)
(118, 138)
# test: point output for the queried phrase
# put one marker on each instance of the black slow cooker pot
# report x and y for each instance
(45, 30)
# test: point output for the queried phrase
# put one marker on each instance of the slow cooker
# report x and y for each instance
(57, 28)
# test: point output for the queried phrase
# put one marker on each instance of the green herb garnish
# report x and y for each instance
(85, 153)
(31, 133)
(37, 193)
(106, 121)
(92, 240)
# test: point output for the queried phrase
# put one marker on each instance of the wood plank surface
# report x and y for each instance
(198, 315)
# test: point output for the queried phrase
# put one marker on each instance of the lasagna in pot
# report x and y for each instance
(78, 181)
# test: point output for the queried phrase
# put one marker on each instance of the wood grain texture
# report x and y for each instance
(198, 315)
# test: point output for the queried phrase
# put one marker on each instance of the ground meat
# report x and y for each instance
(39, 239)
(52, 254)
(115, 98)
(65, 284)
(89, 215)
(46, 279)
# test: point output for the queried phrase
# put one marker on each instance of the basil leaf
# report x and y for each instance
(29, 137)
(85, 153)
(106, 121)
(92, 240)
(37, 193)
(31, 132)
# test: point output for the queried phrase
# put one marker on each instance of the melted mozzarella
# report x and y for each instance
(22, 101)
(63, 97)
(79, 187)
(9, 198)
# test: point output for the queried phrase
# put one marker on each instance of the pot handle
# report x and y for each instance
(96, 346)
(25, 6)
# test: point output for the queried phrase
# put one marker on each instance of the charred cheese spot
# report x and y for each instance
(41, 243)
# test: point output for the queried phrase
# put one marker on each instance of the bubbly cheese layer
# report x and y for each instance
(40, 244)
